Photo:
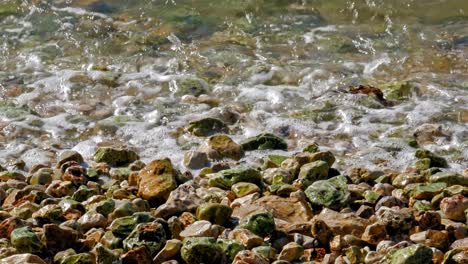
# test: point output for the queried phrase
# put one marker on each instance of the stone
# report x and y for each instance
(432, 238)
(264, 141)
(456, 256)
(152, 235)
(267, 252)
(355, 254)
(245, 237)
(291, 252)
(215, 213)
(332, 193)
(426, 191)
(137, 255)
(449, 178)
(48, 214)
(105, 255)
(43, 176)
(156, 181)
(261, 224)
(22, 259)
(115, 157)
(190, 86)
(396, 220)
(460, 243)
(226, 178)
(454, 207)
(207, 126)
(249, 257)
(194, 159)
(25, 240)
(230, 248)
(277, 175)
(428, 220)
(69, 155)
(109, 240)
(340, 223)
(9, 224)
(359, 175)
(389, 201)
(123, 226)
(436, 161)
(415, 254)
(60, 188)
(92, 220)
(200, 228)
(182, 199)
(314, 171)
(196, 250)
(374, 233)
(242, 189)
(58, 238)
(220, 147)
(11, 175)
(292, 209)
(170, 250)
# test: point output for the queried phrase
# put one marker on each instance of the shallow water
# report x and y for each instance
(81, 73)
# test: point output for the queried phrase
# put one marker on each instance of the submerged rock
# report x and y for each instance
(207, 127)
(115, 157)
(264, 141)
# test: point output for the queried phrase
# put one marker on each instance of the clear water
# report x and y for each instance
(82, 73)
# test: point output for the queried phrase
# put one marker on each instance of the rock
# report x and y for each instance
(226, 178)
(314, 171)
(22, 259)
(11, 175)
(69, 155)
(365, 211)
(156, 181)
(26, 241)
(152, 235)
(340, 223)
(449, 178)
(111, 241)
(359, 175)
(200, 228)
(92, 220)
(436, 161)
(182, 199)
(115, 157)
(267, 252)
(264, 141)
(415, 254)
(460, 243)
(215, 213)
(48, 214)
(220, 147)
(396, 220)
(190, 86)
(43, 176)
(122, 227)
(242, 189)
(170, 250)
(60, 189)
(291, 251)
(426, 191)
(389, 201)
(105, 255)
(428, 220)
(355, 254)
(374, 233)
(426, 133)
(261, 224)
(454, 207)
(245, 237)
(230, 248)
(207, 126)
(292, 209)
(197, 250)
(58, 238)
(8, 225)
(137, 255)
(194, 159)
(456, 256)
(249, 257)
(332, 193)
(277, 175)
(432, 238)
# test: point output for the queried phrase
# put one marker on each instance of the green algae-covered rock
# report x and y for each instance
(25, 240)
(122, 227)
(230, 248)
(264, 141)
(312, 148)
(226, 178)
(314, 171)
(83, 193)
(105, 255)
(261, 224)
(191, 86)
(332, 193)
(198, 250)
(42, 176)
(82, 258)
(207, 126)
(151, 235)
(273, 161)
(425, 191)
(242, 189)
(104, 207)
(111, 241)
(214, 212)
(157, 180)
(435, 161)
(423, 164)
(449, 178)
(221, 146)
(114, 156)
(267, 252)
(415, 254)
